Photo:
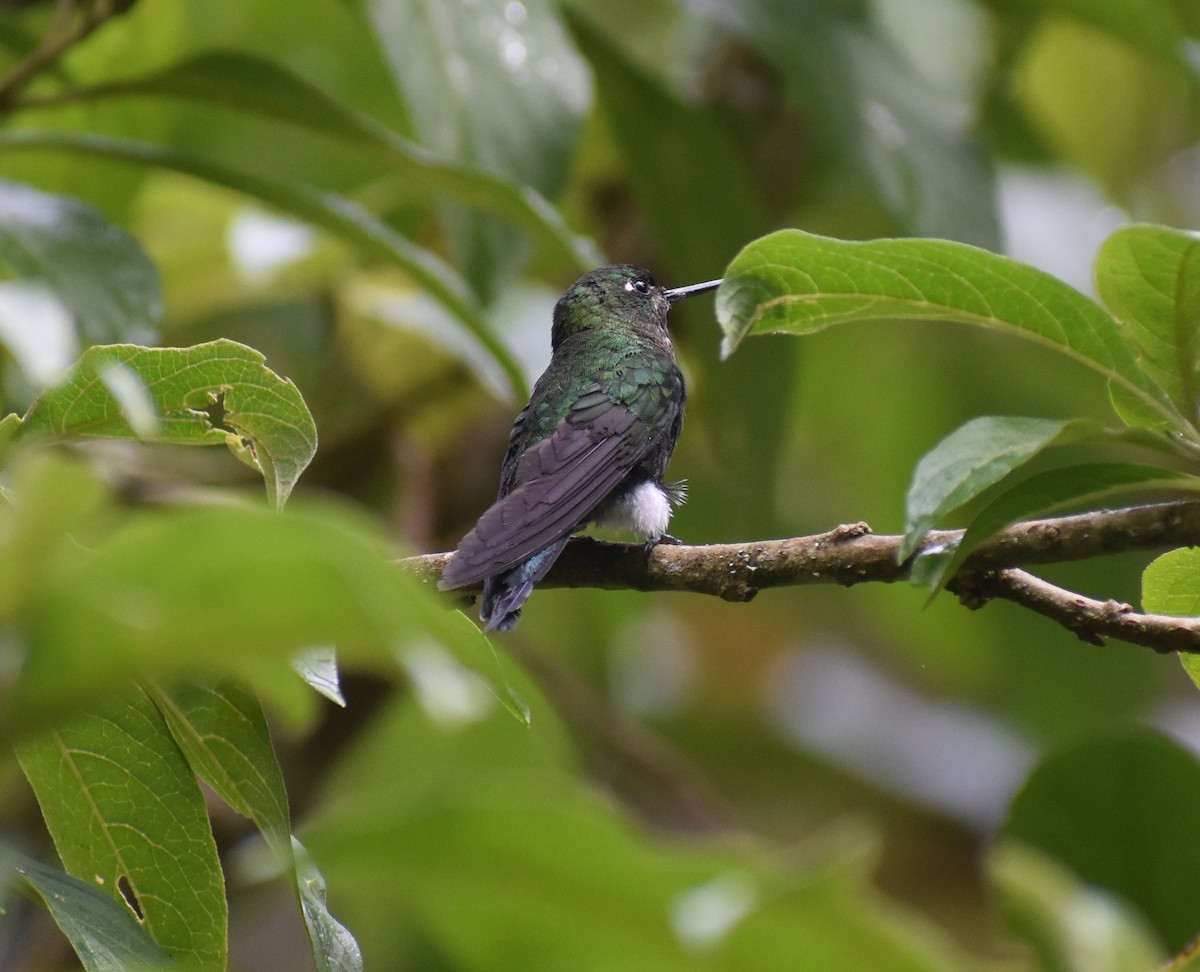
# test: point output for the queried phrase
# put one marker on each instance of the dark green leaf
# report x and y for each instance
(103, 932)
(973, 458)
(798, 283)
(220, 392)
(330, 212)
(1119, 811)
(125, 812)
(96, 268)
(493, 85)
(1056, 490)
(915, 142)
(1149, 276)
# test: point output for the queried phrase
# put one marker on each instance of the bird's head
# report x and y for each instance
(620, 295)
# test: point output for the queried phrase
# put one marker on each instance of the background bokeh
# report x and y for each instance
(814, 722)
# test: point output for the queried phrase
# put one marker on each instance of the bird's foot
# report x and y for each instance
(662, 538)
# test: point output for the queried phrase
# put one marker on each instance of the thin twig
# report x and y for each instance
(1091, 620)
(59, 38)
(851, 554)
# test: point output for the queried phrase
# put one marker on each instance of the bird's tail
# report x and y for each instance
(504, 594)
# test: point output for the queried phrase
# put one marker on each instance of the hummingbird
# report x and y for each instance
(591, 446)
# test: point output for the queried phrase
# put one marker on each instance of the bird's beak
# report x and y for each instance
(681, 292)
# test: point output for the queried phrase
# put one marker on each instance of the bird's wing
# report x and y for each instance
(559, 483)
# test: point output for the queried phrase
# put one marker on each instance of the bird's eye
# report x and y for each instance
(641, 286)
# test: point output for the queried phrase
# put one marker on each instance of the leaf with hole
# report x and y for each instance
(219, 392)
(105, 936)
(127, 814)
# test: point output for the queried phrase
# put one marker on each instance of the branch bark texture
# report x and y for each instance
(852, 554)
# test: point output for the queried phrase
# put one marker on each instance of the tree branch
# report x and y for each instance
(852, 554)
(62, 34)
(1089, 619)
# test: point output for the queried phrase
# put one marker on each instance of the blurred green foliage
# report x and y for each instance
(383, 198)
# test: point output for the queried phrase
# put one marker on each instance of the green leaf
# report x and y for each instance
(58, 496)
(208, 394)
(1171, 585)
(1055, 490)
(223, 734)
(334, 948)
(1119, 811)
(103, 932)
(231, 591)
(1149, 276)
(1069, 924)
(439, 837)
(1153, 26)
(96, 268)
(334, 213)
(126, 813)
(318, 667)
(244, 83)
(973, 458)
(493, 85)
(211, 393)
(917, 143)
(798, 283)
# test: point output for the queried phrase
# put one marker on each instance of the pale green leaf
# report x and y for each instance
(1171, 585)
(103, 932)
(1149, 276)
(1069, 924)
(795, 282)
(334, 948)
(230, 591)
(126, 813)
(242, 82)
(97, 269)
(219, 392)
(319, 668)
